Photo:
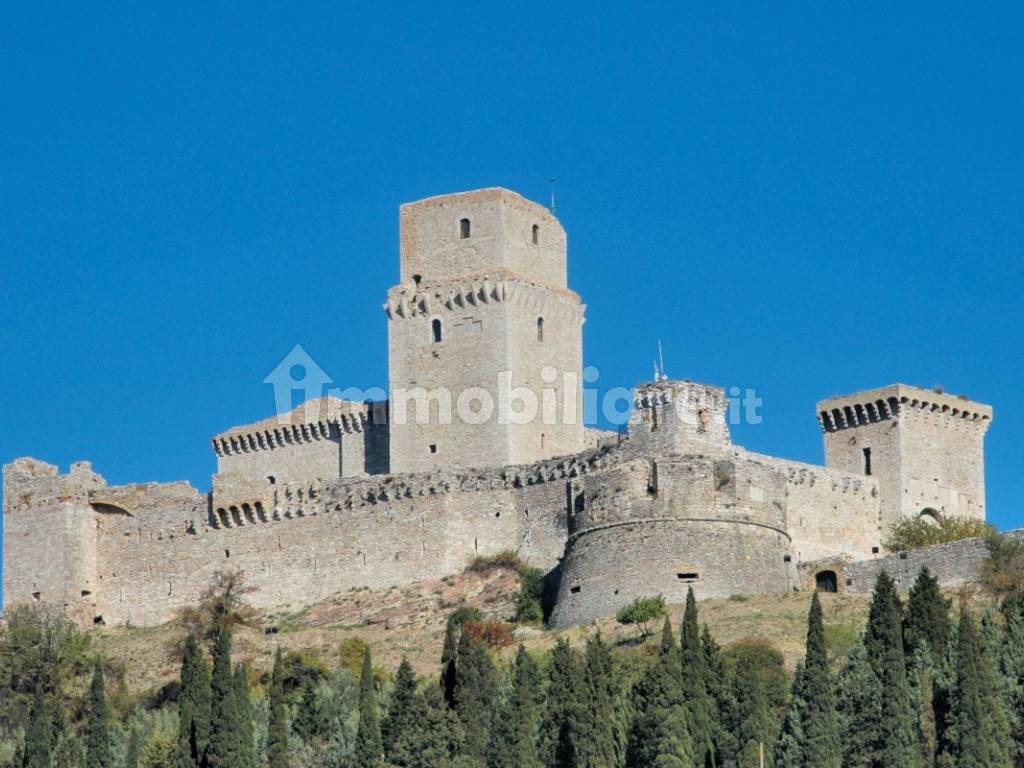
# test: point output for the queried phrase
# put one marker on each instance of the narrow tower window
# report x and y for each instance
(867, 461)
(536, 234)
(540, 329)
(464, 228)
(435, 327)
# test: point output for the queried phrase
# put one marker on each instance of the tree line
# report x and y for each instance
(921, 688)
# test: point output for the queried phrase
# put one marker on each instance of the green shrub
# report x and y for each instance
(914, 533)
(642, 612)
(462, 614)
(506, 559)
(351, 653)
(529, 599)
(1003, 572)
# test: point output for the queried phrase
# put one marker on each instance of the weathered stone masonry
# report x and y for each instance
(337, 495)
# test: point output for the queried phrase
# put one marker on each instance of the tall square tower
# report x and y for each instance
(485, 339)
(925, 447)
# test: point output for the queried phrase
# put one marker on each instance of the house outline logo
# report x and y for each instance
(285, 379)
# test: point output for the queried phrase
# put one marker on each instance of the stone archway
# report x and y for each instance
(930, 515)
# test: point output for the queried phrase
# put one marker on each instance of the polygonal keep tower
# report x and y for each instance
(482, 326)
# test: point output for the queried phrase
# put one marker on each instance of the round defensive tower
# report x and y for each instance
(692, 513)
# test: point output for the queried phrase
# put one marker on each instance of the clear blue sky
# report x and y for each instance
(805, 199)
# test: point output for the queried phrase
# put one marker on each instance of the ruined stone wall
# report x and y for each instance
(49, 539)
(953, 564)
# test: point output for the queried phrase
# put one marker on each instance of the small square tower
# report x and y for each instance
(925, 447)
(681, 417)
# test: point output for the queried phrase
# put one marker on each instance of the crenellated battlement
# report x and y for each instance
(872, 406)
(409, 302)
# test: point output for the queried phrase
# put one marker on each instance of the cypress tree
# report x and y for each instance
(436, 737)
(822, 747)
(277, 727)
(1011, 663)
(898, 743)
(789, 747)
(449, 660)
(131, 753)
(695, 695)
(560, 721)
(859, 707)
(97, 734)
(369, 750)
(600, 738)
(475, 695)
(660, 735)
(724, 700)
(404, 712)
(513, 743)
(922, 683)
(308, 722)
(40, 735)
(193, 706)
(755, 721)
(70, 753)
(246, 726)
(225, 747)
(927, 619)
(979, 729)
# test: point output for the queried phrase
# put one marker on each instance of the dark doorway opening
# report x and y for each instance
(826, 581)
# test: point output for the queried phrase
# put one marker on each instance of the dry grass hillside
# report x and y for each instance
(410, 622)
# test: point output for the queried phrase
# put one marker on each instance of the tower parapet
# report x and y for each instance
(680, 417)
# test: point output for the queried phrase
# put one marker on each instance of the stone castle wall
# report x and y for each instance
(953, 564)
(144, 551)
(827, 510)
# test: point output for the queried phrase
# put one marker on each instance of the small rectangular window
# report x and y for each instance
(433, 448)
(688, 576)
(575, 590)
(867, 461)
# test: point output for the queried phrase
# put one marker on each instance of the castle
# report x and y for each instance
(335, 495)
